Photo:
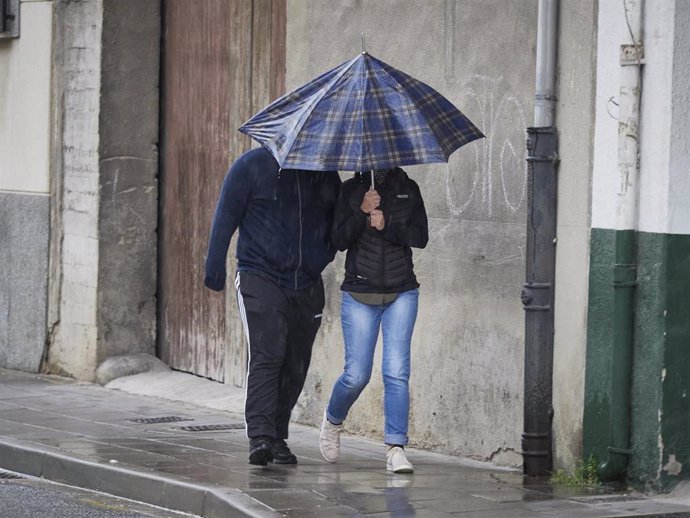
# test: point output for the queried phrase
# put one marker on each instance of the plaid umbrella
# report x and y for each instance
(360, 116)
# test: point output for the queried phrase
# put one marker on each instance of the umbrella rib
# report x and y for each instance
(376, 91)
(364, 151)
(294, 131)
(441, 121)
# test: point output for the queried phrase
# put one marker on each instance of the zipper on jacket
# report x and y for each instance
(299, 200)
(383, 261)
(383, 244)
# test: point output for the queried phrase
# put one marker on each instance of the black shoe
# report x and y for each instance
(260, 452)
(281, 452)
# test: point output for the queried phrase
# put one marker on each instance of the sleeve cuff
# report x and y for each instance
(215, 282)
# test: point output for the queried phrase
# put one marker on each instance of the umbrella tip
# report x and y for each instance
(364, 49)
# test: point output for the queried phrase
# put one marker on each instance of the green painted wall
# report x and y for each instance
(648, 360)
(676, 387)
(599, 340)
(660, 406)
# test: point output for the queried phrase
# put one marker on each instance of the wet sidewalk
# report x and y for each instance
(194, 459)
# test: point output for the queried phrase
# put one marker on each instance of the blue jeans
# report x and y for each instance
(361, 324)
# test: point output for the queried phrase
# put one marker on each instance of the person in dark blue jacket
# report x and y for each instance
(285, 219)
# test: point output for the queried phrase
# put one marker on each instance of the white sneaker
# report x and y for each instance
(397, 462)
(329, 439)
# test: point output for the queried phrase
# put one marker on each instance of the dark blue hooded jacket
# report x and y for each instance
(284, 217)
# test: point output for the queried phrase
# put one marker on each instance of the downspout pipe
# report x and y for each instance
(545, 81)
(538, 291)
(625, 267)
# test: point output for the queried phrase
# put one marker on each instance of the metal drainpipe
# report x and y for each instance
(537, 294)
(625, 268)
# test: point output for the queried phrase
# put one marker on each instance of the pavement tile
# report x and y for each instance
(393, 501)
(198, 442)
(61, 425)
(415, 513)
(68, 443)
(30, 432)
(292, 500)
(134, 458)
(510, 494)
(334, 490)
(433, 484)
(319, 511)
(224, 461)
(459, 504)
(194, 471)
(500, 513)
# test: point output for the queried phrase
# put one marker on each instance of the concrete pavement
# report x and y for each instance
(193, 458)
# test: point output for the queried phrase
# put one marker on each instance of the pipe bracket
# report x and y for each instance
(544, 158)
(535, 307)
(632, 54)
(624, 284)
(621, 451)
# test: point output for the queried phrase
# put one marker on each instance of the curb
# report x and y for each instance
(154, 489)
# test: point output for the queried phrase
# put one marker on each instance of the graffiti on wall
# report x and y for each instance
(490, 177)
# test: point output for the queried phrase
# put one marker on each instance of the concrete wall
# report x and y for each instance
(25, 83)
(468, 345)
(575, 120)
(105, 163)
(128, 158)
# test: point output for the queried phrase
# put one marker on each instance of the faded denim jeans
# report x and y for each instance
(361, 324)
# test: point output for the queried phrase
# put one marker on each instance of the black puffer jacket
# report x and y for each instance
(380, 261)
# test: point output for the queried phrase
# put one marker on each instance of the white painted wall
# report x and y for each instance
(655, 116)
(612, 32)
(679, 166)
(25, 79)
(664, 189)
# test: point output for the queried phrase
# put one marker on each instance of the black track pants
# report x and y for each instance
(280, 325)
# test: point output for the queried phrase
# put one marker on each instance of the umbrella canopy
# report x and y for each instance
(360, 116)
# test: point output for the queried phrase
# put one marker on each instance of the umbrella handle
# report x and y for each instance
(372, 178)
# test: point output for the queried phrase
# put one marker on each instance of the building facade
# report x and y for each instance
(117, 123)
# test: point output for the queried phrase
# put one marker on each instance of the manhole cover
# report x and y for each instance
(162, 419)
(8, 475)
(212, 427)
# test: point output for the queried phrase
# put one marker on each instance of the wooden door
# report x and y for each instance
(222, 60)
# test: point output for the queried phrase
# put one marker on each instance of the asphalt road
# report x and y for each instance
(36, 498)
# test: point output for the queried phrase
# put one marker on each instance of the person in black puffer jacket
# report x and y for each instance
(378, 227)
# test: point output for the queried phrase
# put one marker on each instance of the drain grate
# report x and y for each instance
(162, 419)
(7, 475)
(212, 427)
